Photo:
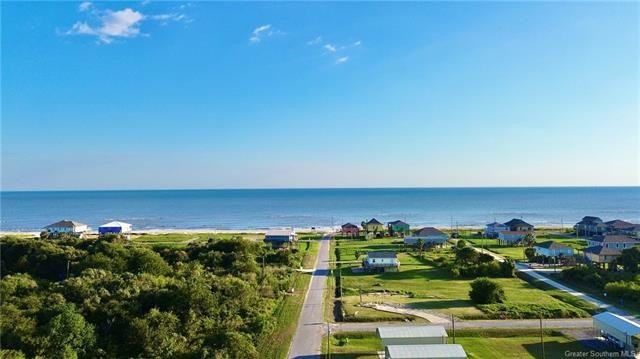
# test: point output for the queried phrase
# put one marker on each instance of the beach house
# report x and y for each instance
(115, 228)
(617, 226)
(553, 249)
(398, 228)
(589, 226)
(492, 230)
(510, 238)
(601, 255)
(373, 226)
(428, 235)
(518, 225)
(613, 241)
(68, 227)
(350, 229)
(279, 238)
(381, 262)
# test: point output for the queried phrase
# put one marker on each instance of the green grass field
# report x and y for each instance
(486, 344)
(423, 286)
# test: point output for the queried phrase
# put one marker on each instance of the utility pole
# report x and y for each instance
(68, 264)
(453, 328)
(542, 338)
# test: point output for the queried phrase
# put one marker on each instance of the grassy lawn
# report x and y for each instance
(276, 344)
(310, 249)
(482, 344)
(423, 286)
(515, 253)
(183, 239)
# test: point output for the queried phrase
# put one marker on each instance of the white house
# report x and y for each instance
(280, 237)
(492, 230)
(613, 241)
(511, 237)
(412, 335)
(428, 235)
(67, 227)
(553, 249)
(426, 351)
(381, 262)
(115, 227)
(618, 329)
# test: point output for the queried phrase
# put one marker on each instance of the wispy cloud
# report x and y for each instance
(108, 25)
(340, 53)
(262, 32)
(342, 60)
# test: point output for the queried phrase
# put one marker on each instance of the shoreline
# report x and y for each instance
(319, 229)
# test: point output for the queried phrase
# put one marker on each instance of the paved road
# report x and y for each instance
(474, 324)
(307, 341)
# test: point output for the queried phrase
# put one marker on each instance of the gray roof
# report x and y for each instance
(430, 231)
(426, 351)
(518, 222)
(382, 255)
(621, 323)
(619, 224)
(349, 225)
(398, 222)
(590, 220)
(422, 331)
(65, 223)
(373, 221)
(602, 251)
(615, 238)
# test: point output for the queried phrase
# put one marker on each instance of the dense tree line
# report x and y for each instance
(105, 298)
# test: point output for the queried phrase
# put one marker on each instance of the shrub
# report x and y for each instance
(486, 291)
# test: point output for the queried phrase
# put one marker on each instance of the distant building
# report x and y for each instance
(613, 241)
(426, 351)
(617, 226)
(518, 225)
(412, 335)
(373, 226)
(492, 230)
(67, 227)
(553, 249)
(589, 226)
(509, 238)
(381, 262)
(398, 227)
(428, 235)
(633, 231)
(115, 227)
(601, 255)
(618, 330)
(281, 237)
(350, 229)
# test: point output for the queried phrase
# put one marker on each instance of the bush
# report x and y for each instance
(486, 291)
(623, 290)
(532, 311)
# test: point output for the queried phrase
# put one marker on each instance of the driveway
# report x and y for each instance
(307, 340)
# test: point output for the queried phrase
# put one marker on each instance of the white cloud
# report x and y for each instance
(330, 47)
(315, 41)
(261, 32)
(108, 25)
(145, 2)
(342, 60)
(85, 6)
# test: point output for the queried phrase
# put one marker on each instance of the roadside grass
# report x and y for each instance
(276, 344)
(515, 253)
(424, 286)
(481, 344)
(310, 249)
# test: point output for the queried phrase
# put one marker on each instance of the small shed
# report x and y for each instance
(412, 335)
(115, 227)
(618, 329)
(426, 351)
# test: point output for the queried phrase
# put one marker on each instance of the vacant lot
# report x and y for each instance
(479, 344)
(425, 286)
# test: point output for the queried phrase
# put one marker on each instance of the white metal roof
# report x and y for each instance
(422, 331)
(621, 323)
(116, 224)
(281, 232)
(426, 351)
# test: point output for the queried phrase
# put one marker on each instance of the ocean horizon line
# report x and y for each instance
(315, 188)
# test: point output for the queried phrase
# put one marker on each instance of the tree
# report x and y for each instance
(68, 334)
(357, 254)
(529, 240)
(151, 262)
(486, 291)
(461, 243)
(420, 246)
(156, 335)
(467, 255)
(630, 259)
(485, 258)
(530, 253)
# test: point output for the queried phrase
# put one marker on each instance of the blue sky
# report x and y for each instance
(225, 95)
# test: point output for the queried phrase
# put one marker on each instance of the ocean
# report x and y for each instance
(269, 208)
